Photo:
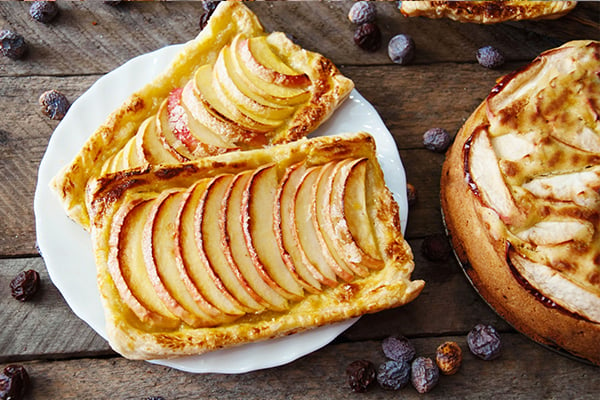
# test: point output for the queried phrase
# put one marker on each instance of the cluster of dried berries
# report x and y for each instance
(14, 382)
(402, 367)
(367, 35)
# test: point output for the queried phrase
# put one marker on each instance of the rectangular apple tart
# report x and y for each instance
(233, 87)
(247, 246)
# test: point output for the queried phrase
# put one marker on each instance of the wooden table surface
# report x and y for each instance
(66, 359)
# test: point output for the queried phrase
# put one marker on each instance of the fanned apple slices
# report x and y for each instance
(234, 87)
(247, 246)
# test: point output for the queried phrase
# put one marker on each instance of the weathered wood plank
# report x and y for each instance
(93, 38)
(524, 370)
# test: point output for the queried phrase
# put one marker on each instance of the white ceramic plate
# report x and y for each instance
(67, 250)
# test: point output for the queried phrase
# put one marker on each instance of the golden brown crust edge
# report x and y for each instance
(484, 262)
(229, 19)
(389, 287)
(487, 12)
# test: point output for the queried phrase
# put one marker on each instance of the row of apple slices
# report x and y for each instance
(242, 243)
(239, 101)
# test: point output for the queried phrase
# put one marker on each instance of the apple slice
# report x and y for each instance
(249, 81)
(158, 243)
(127, 268)
(556, 287)
(304, 226)
(167, 136)
(149, 147)
(486, 180)
(581, 188)
(236, 251)
(352, 228)
(247, 105)
(558, 231)
(259, 236)
(217, 252)
(287, 236)
(197, 273)
(197, 138)
(321, 212)
(223, 106)
(260, 58)
(230, 132)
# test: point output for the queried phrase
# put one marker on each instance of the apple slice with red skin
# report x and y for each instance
(304, 226)
(320, 197)
(167, 136)
(287, 236)
(352, 228)
(230, 132)
(197, 273)
(197, 138)
(209, 238)
(149, 147)
(127, 268)
(159, 242)
(235, 248)
(260, 59)
(259, 236)
(485, 178)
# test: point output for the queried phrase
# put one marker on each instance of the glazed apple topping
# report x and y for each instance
(208, 254)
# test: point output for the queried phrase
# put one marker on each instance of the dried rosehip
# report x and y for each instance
(489, 57)
(154, 398)
(411, 194)
(209, 7)
(484, 342)
(368, 37)
(43, 11)
(398, 348)
(12, 45)
(435, 247)
(361, 374)
(424, 374)
(362, 12)
(393, 375)
(25, 285)
(401, 49)
(14, 382)
(436, 139)
(54, 104)
(448, 357)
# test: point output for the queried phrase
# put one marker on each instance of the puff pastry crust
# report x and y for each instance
(521, 198)
(487, 12)
(128, 138)
(376, 288)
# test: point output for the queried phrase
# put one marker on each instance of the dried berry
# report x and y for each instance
(54, 104)
(113, 3)
(401, 49)
(435, 247)
(154, 398)
(398, 348)
(424, 374)
(209, 7)
(361, 374)
(411, 194)
(489, 57)
(362, 12)
(368, 37)
(484, 341)
(436, 139)
(43, 11)
(14, 382)
(25, 285)
(12, 45)
(393, 375)
(448, 357)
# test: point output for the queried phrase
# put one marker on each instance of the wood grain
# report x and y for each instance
(524, 370)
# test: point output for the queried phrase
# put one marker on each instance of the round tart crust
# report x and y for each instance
(482, 253)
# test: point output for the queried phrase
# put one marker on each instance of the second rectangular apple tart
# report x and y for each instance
(247, 246)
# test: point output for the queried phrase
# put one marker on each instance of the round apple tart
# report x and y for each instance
(521, 198)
